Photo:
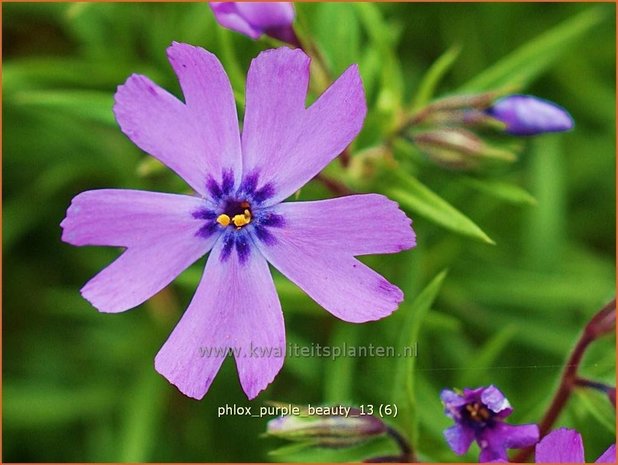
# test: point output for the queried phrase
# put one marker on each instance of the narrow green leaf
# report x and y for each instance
(18, 210)
(383, 37)
(231, 63)
(339, 376)
(523, 65)
(30, 406)
(434, 75)
(486, 357)
(508, 192)
(338, 34)
(405, 375)
(142, 417)
(546, 224)
(598, 407)
(418, 198)
(93, 105)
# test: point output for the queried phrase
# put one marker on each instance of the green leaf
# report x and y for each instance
(546, 225)
(231, 64)
(339, 375)
(599, 407)
(18, 210)
(338, 34)
(418, 198)
(28, 405)
(486, 357)
(384, 39)
(93, 105)
(508, 192)
(434, 75)
(404, 376)
(523, 65)
(142, 416)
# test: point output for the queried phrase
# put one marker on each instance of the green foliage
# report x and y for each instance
(404, 391)
(81, 386)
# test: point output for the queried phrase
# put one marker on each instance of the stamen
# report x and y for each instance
(223, 219)
(242, 220)
(478, 412)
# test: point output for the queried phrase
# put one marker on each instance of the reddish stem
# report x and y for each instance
(600, 324)
(335, 187)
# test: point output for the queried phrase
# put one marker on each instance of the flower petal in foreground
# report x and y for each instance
(479, 415)
(526, 115)
(240, 182)
(159, 231)
(235, 306)
(565, 446)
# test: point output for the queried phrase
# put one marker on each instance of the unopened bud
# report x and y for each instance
(327, 430)
(467, 102)
(470, 118)
(454, 139)
(526, 115)
(458, 148)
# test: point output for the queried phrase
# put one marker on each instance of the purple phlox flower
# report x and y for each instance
(479, 416)
(565, 446)
(256, 18)
(237, 215)
(526, 115)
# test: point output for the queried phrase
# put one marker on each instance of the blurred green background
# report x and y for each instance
(81, 386)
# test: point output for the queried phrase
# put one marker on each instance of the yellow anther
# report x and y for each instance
(223, 219)
(241, 220)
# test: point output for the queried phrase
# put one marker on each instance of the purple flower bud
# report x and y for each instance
(256, 18)
(565, 446)
(526, 115)
(479, 416)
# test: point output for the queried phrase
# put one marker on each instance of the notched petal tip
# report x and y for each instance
(408, 241)
(188, 390)
(285, 56)
(179, 50)
(89, 294)
(70, 224)
(127, 93)
(356, 92)
(392, 297)
(91, 291)
(253, 387)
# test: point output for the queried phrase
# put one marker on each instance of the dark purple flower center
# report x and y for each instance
(235, 207)
(238, 214)
(476, 414)
(235, 213)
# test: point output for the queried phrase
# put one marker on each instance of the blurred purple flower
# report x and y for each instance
(565, 446)
(256, 18)
(479, 415)
(526, 115)
(238, 215)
